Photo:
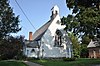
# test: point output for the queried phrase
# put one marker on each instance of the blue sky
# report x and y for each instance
(38, 12)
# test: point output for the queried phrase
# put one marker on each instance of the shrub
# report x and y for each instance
(69, 59)
(9, 48)
(20, 57)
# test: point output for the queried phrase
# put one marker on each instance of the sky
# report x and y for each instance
(38, 12)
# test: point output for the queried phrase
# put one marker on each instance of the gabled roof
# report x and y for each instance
(40, 32)
(93, 44)
(32, 44)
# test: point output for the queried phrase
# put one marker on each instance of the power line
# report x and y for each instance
(27, 17)
(25, 14)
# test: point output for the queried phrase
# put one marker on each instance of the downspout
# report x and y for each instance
(39, 49)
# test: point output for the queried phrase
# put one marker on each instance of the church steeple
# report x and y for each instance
(55, 11)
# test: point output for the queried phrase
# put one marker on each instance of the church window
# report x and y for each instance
(58, 22)
(56, 12)
(58, 38)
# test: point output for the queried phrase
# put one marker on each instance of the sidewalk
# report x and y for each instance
(26, 62)
(31, 63)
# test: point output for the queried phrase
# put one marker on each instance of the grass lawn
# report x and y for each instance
(11, 63)
(78, 62)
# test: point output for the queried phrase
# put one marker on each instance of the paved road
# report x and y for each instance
(31, 63)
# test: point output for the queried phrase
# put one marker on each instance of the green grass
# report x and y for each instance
(11, 63)
(78, 62)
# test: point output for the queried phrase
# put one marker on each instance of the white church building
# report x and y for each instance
(50, 40)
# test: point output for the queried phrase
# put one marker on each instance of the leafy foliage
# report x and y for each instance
(71, 23)
(76, 5)
(85, 23)
(10, 48)
(87, 18)
(84, 51)
(9, 23)
(69, 59)
(75, 44)
(85, 40)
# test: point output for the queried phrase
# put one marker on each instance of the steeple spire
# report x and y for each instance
(55, 11)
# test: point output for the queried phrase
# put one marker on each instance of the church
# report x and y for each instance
(50, 40)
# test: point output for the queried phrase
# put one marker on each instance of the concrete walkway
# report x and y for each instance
(31, 63)
(96, 65)
(26, 62)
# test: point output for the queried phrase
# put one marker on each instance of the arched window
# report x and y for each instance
(56, 12)
(58, 22)
(58, 38)
(32, 50)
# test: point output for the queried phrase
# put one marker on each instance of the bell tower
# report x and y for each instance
(55, 11)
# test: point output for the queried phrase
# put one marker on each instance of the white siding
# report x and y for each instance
(29, 52)
(48, 41)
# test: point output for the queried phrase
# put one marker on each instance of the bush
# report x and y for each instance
(0, 59)
(9, 48)
(20, 57)
(69, 59)
(77, 56)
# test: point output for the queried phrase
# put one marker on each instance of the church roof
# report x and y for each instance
(32, 44)
(39, 33)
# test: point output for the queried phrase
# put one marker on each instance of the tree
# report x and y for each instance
(11, 48)
(85, 40)
(76, 5)
(84, 51)
(9, 23)
(75, 44)
(86, 20)
(71, 23)
(89, 19)
(85, 23)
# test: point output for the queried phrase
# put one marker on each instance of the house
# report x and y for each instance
(94, 49)
(50, 40)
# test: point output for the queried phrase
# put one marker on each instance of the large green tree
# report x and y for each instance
(86, 20)
(9, 23)
(76, 5)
